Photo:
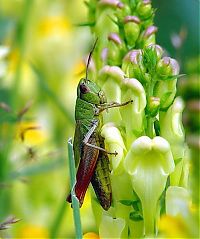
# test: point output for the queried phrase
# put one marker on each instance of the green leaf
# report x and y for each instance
(171, 77)
(85, 24)
(135, 216)
(157, 127)
(128, 202)
(176, 161)
(165, 98)
(150, 59)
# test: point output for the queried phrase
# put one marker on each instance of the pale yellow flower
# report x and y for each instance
(53, 25)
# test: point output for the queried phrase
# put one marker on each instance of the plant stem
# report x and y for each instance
(150, 120)
(75, 202)
(149, 127)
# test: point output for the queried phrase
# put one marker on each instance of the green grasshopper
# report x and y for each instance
(89, 150)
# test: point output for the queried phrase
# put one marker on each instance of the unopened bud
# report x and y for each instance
(132, 29)
(153, 106)
(111, 3)
(115, 49)
(167, 67)
(158, 50)
(144, 9)
(148, 36)
(133, 65)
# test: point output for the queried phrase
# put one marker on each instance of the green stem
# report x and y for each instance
(150, 120)
(75, 201)
(149, 127)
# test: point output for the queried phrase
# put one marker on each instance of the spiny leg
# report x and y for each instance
(89, 134)
(113, 105)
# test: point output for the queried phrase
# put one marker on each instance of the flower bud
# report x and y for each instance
(121, 13)
(148, 36)
(144, 9)
(111, 3)
(166, 67)
(133, 66)
(115, 49)
(158, 50)
(153, 106)
(131, 29)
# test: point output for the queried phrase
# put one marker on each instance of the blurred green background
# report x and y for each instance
(42, 54)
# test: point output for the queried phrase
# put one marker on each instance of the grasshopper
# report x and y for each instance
(90, 154)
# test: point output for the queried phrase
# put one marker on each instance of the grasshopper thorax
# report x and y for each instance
(89, 91)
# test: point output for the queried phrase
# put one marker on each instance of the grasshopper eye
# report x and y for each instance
(84, 89)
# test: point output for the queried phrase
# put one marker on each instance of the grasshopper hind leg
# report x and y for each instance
(89, 134)
(101, 180)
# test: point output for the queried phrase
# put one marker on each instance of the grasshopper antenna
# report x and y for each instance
(89, 57)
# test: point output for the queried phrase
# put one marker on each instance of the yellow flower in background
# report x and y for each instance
(27, 82)
(31, 133)
(78, 72)
(79, 69)
(13, 59)
(173, 226)
(33, 231)
(90, 235)
(53, 25)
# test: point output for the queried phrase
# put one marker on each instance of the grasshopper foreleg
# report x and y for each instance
(113, 105)
(89, 134)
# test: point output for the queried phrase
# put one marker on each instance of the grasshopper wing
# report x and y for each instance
(86, 168)
(77, 144)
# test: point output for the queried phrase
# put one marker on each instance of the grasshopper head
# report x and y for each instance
(89, 91)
